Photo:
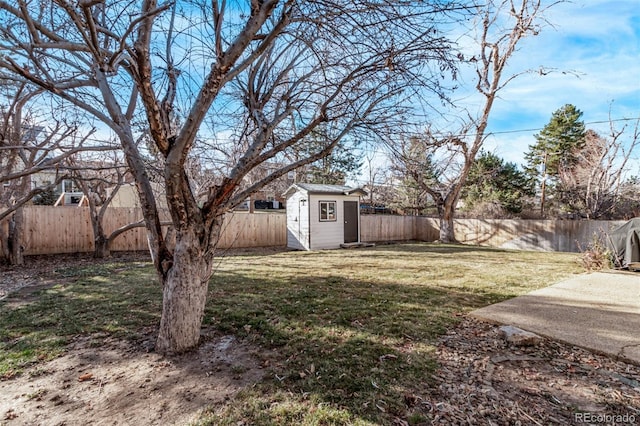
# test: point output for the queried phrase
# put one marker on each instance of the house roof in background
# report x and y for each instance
(316, 188)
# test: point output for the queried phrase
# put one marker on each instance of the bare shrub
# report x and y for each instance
(596, 256)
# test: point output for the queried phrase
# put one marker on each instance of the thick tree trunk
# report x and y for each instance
(100, 241)
(4, 240)
(447, 231)
(184, 296)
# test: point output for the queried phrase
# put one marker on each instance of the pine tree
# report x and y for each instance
(335, 168)
(556, 147)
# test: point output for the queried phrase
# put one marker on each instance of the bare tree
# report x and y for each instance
(628, 203)
(446, 157)
(374, 172)
(100, 179)
(34, 146)
(414, 171)
(590, 186)
(250, 81)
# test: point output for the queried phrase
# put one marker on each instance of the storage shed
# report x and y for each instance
(322, 216)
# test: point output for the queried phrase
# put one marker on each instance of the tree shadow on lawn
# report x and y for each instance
(351, 350)
(363, 347)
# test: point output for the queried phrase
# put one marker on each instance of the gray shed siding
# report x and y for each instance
(327, 235)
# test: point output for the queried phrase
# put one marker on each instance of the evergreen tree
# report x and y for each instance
(556, 148)
(46, 198)
(557, 143)
(492, 180)
(336, 167)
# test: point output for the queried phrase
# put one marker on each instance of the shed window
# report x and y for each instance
(327, 211)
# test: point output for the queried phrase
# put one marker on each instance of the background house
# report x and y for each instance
(322, 216)
(271, 196)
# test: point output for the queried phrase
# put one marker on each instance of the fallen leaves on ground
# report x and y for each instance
(484, 380)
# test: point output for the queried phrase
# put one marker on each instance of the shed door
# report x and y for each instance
(351, 222)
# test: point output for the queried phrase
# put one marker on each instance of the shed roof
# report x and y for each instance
(316, 188)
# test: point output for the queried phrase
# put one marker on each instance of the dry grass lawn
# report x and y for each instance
(339, 337)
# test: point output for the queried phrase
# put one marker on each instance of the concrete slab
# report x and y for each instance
(598, 311)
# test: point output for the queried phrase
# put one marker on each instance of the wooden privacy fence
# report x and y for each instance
(398, 228)
(49, 230)
(548, 235)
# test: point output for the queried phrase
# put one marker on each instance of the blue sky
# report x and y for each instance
(593, 46)
(596, 43)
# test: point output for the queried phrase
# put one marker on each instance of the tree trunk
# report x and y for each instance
(446, 210)
(447, 231)
(101, 249)
(446, 206)
(15, 232)
(100, 241)
(543, 191)
(4, 240)
(184, 295)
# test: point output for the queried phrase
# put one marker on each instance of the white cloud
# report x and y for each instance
(593, 49)
(597, 40)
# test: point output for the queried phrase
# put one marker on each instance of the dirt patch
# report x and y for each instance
(100, 380)
(481, 380)
(103, 381)
(484, 380)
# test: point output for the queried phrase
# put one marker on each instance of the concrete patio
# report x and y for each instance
(598, 311)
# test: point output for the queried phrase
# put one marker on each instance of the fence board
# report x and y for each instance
(549, 235)
(254, 230)
(56, 230)
(134, 239)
